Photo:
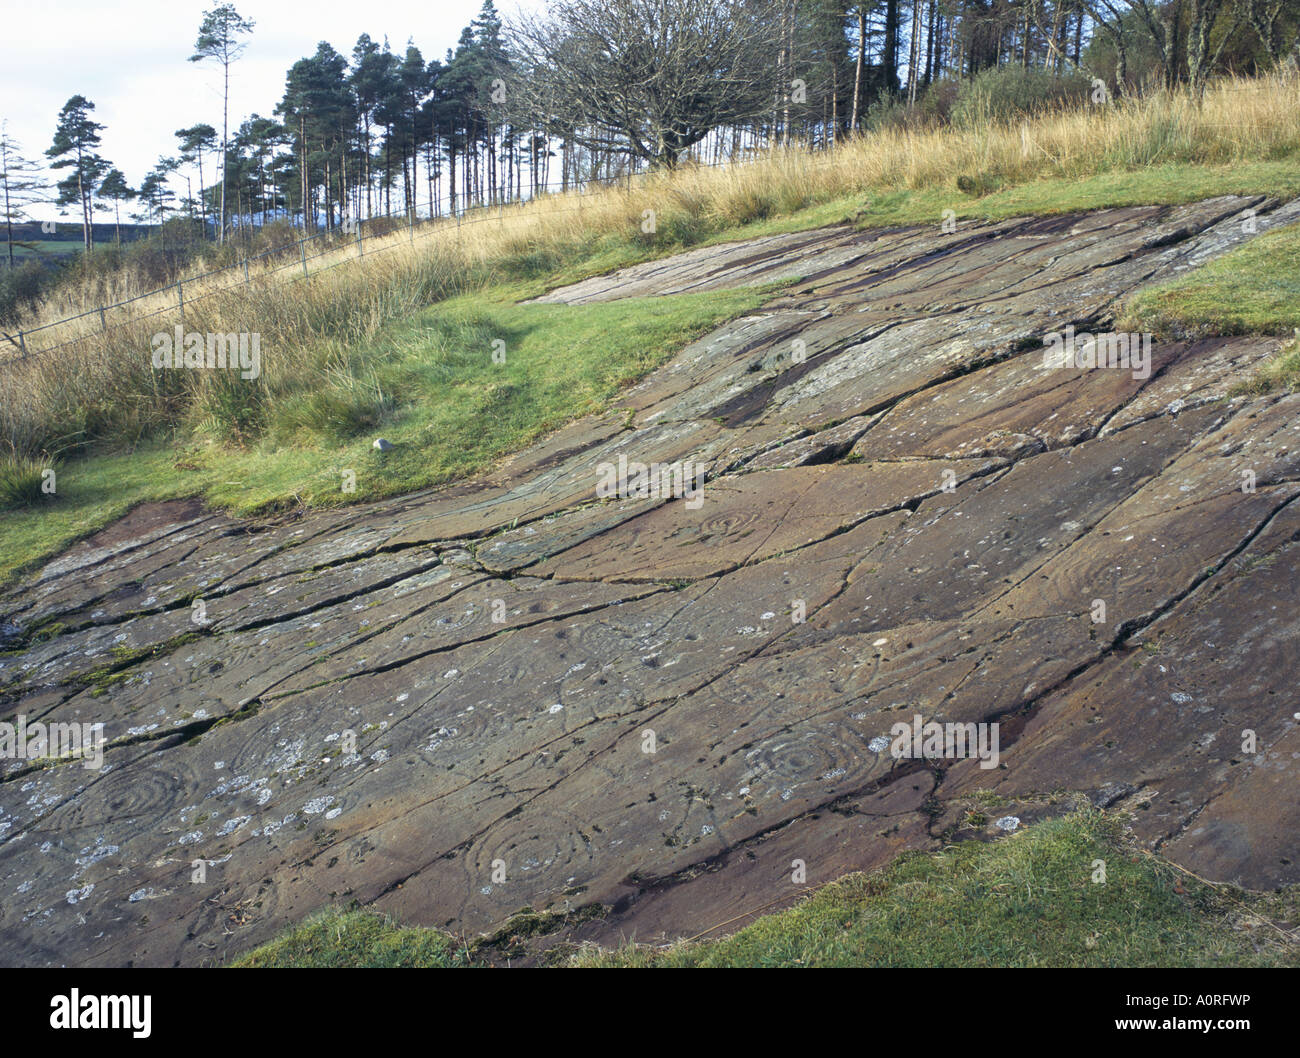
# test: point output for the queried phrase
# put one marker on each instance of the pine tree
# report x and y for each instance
(75, 140)
(218, 39)
(115, 188)
(194, 141)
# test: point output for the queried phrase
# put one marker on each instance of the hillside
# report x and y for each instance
(397, 334)
(641, 711)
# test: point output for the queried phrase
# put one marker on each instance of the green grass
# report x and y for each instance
(1254, 289)
(1027, 899)
(431, 388)
(357, 939)
(428, 384)
(1165, 185)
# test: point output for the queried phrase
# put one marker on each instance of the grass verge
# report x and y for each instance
(355, 350)
(1028, 899)
(335, 939)
(429, 384)
(1254, 289)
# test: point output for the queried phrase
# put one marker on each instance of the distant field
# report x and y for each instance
(47, 248)
(65, 239)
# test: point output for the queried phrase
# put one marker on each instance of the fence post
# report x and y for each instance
(22, 344)
(302, 250)
(360, 249)
(180, 301)
(246, 280)
(103, 320)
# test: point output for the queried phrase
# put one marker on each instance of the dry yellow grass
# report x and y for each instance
(102, 385)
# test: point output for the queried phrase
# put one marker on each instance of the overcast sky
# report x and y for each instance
(130, 58)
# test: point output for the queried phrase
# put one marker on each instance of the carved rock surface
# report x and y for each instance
(522, 692)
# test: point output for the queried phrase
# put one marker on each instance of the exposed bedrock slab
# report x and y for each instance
(748, 517)
(1195, 721)
(642, 709)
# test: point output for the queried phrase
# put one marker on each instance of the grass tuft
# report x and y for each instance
(1253, 289)
(1033, 898)
(22, 481)
(1279, 374)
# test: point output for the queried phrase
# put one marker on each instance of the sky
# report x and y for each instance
(130, 58)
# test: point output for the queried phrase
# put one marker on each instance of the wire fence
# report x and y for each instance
(292, 256)
(351, 230)
(296, 257)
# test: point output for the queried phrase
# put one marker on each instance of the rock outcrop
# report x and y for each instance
(515, 693)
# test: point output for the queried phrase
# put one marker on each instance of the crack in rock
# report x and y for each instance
(519, 692)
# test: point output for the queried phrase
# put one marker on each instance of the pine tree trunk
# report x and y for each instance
(225, 141)
(857, 74)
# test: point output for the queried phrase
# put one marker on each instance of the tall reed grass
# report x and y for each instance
(102, 388)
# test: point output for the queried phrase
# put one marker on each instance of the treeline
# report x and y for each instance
(597, 90)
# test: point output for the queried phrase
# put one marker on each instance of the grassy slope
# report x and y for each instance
(355, 350)
(429, 376)
(1255, 289)
(1028, 899)
(432, 389)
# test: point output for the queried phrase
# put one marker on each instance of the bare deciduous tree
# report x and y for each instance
(21, 186)
(652, 77)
